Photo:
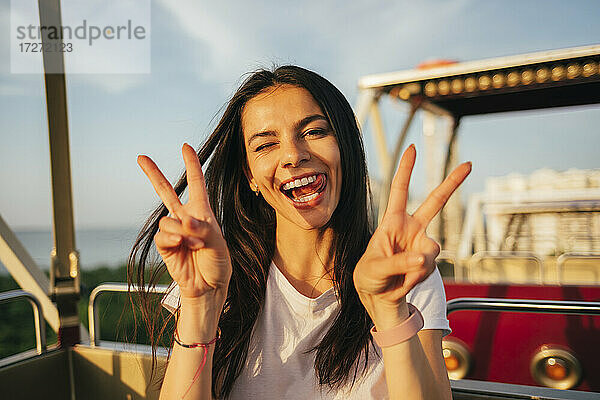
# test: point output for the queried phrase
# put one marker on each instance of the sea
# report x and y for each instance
(97, 247)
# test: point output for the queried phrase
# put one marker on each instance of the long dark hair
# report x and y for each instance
(248, 225)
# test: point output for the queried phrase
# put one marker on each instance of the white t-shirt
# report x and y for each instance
(291, 323)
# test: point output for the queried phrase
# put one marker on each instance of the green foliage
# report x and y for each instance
(117, 315)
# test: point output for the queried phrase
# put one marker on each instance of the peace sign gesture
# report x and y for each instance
(190, 241)
(400, 254)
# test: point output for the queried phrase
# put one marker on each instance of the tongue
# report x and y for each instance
(308, 189)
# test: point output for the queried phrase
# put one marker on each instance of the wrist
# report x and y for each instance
(208, 301)
(198, 318)
(386, 315)
(400, 333)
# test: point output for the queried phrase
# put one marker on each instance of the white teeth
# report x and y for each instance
(299, 182)
(306, 198)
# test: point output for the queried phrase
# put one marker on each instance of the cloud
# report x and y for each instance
(338, 39)
(219, 35)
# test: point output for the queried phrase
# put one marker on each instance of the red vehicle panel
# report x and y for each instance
(502, 344)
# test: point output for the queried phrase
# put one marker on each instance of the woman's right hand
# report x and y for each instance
(190, 241)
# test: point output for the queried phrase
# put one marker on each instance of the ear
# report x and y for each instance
(249, 176)
(253, 185)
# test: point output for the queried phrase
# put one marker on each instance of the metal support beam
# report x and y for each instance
(64, 268)
(472, 231)
(380, 139)
(391, 167)
(26, 273)
(449, 160)
(363, 105)
(368, 105)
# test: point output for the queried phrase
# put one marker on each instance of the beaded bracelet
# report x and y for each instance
(402, 332)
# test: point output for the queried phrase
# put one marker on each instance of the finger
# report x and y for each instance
(417, 275)
(168, 241)
(401, 263)
(165, 240)
(194, 243)
(195, 177)
(192, 229)
(197, 228)
(161, 185)
(171, 225)
(399, 189)
(440, 195)
(413, 278)
(173, 228)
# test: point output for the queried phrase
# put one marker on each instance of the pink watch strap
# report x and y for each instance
(402, 332)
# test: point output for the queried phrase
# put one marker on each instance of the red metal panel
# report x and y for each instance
(503, 344)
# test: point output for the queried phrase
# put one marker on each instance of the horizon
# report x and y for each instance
(199, 54)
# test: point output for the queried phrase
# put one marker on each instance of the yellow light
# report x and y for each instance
(558, 73)
(556, 369)
(404, 94)
(457, 85)
(542, 75)
(470, 84)
(456, 358)
(512, 79)
(590, 69)
(430, 89)
(413, 88)
(498, 80)
(527, 76)
(452, 362)
(573, 71)
(485, 82)
(444, 87)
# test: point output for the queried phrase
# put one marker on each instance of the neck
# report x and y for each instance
(304, 258)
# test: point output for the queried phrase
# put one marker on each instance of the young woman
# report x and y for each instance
(278, 273)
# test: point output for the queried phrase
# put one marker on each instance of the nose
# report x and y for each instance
(293, 154)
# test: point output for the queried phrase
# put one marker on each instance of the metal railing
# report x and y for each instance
(524, 305)
(564, 258)
(38, 315)
(93, 317)
(466, 389)
(477, 258)
(459, 304)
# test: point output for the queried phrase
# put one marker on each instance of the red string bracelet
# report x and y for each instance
(193, 346)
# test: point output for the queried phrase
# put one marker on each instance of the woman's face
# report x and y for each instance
(293, 155)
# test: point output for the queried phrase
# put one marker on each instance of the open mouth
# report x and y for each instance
(305, 189)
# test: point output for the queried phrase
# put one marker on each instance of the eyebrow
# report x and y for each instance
(297, 126)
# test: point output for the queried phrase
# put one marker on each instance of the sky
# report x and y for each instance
(201, 50)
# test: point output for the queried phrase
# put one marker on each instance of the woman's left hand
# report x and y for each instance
(400, 254)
